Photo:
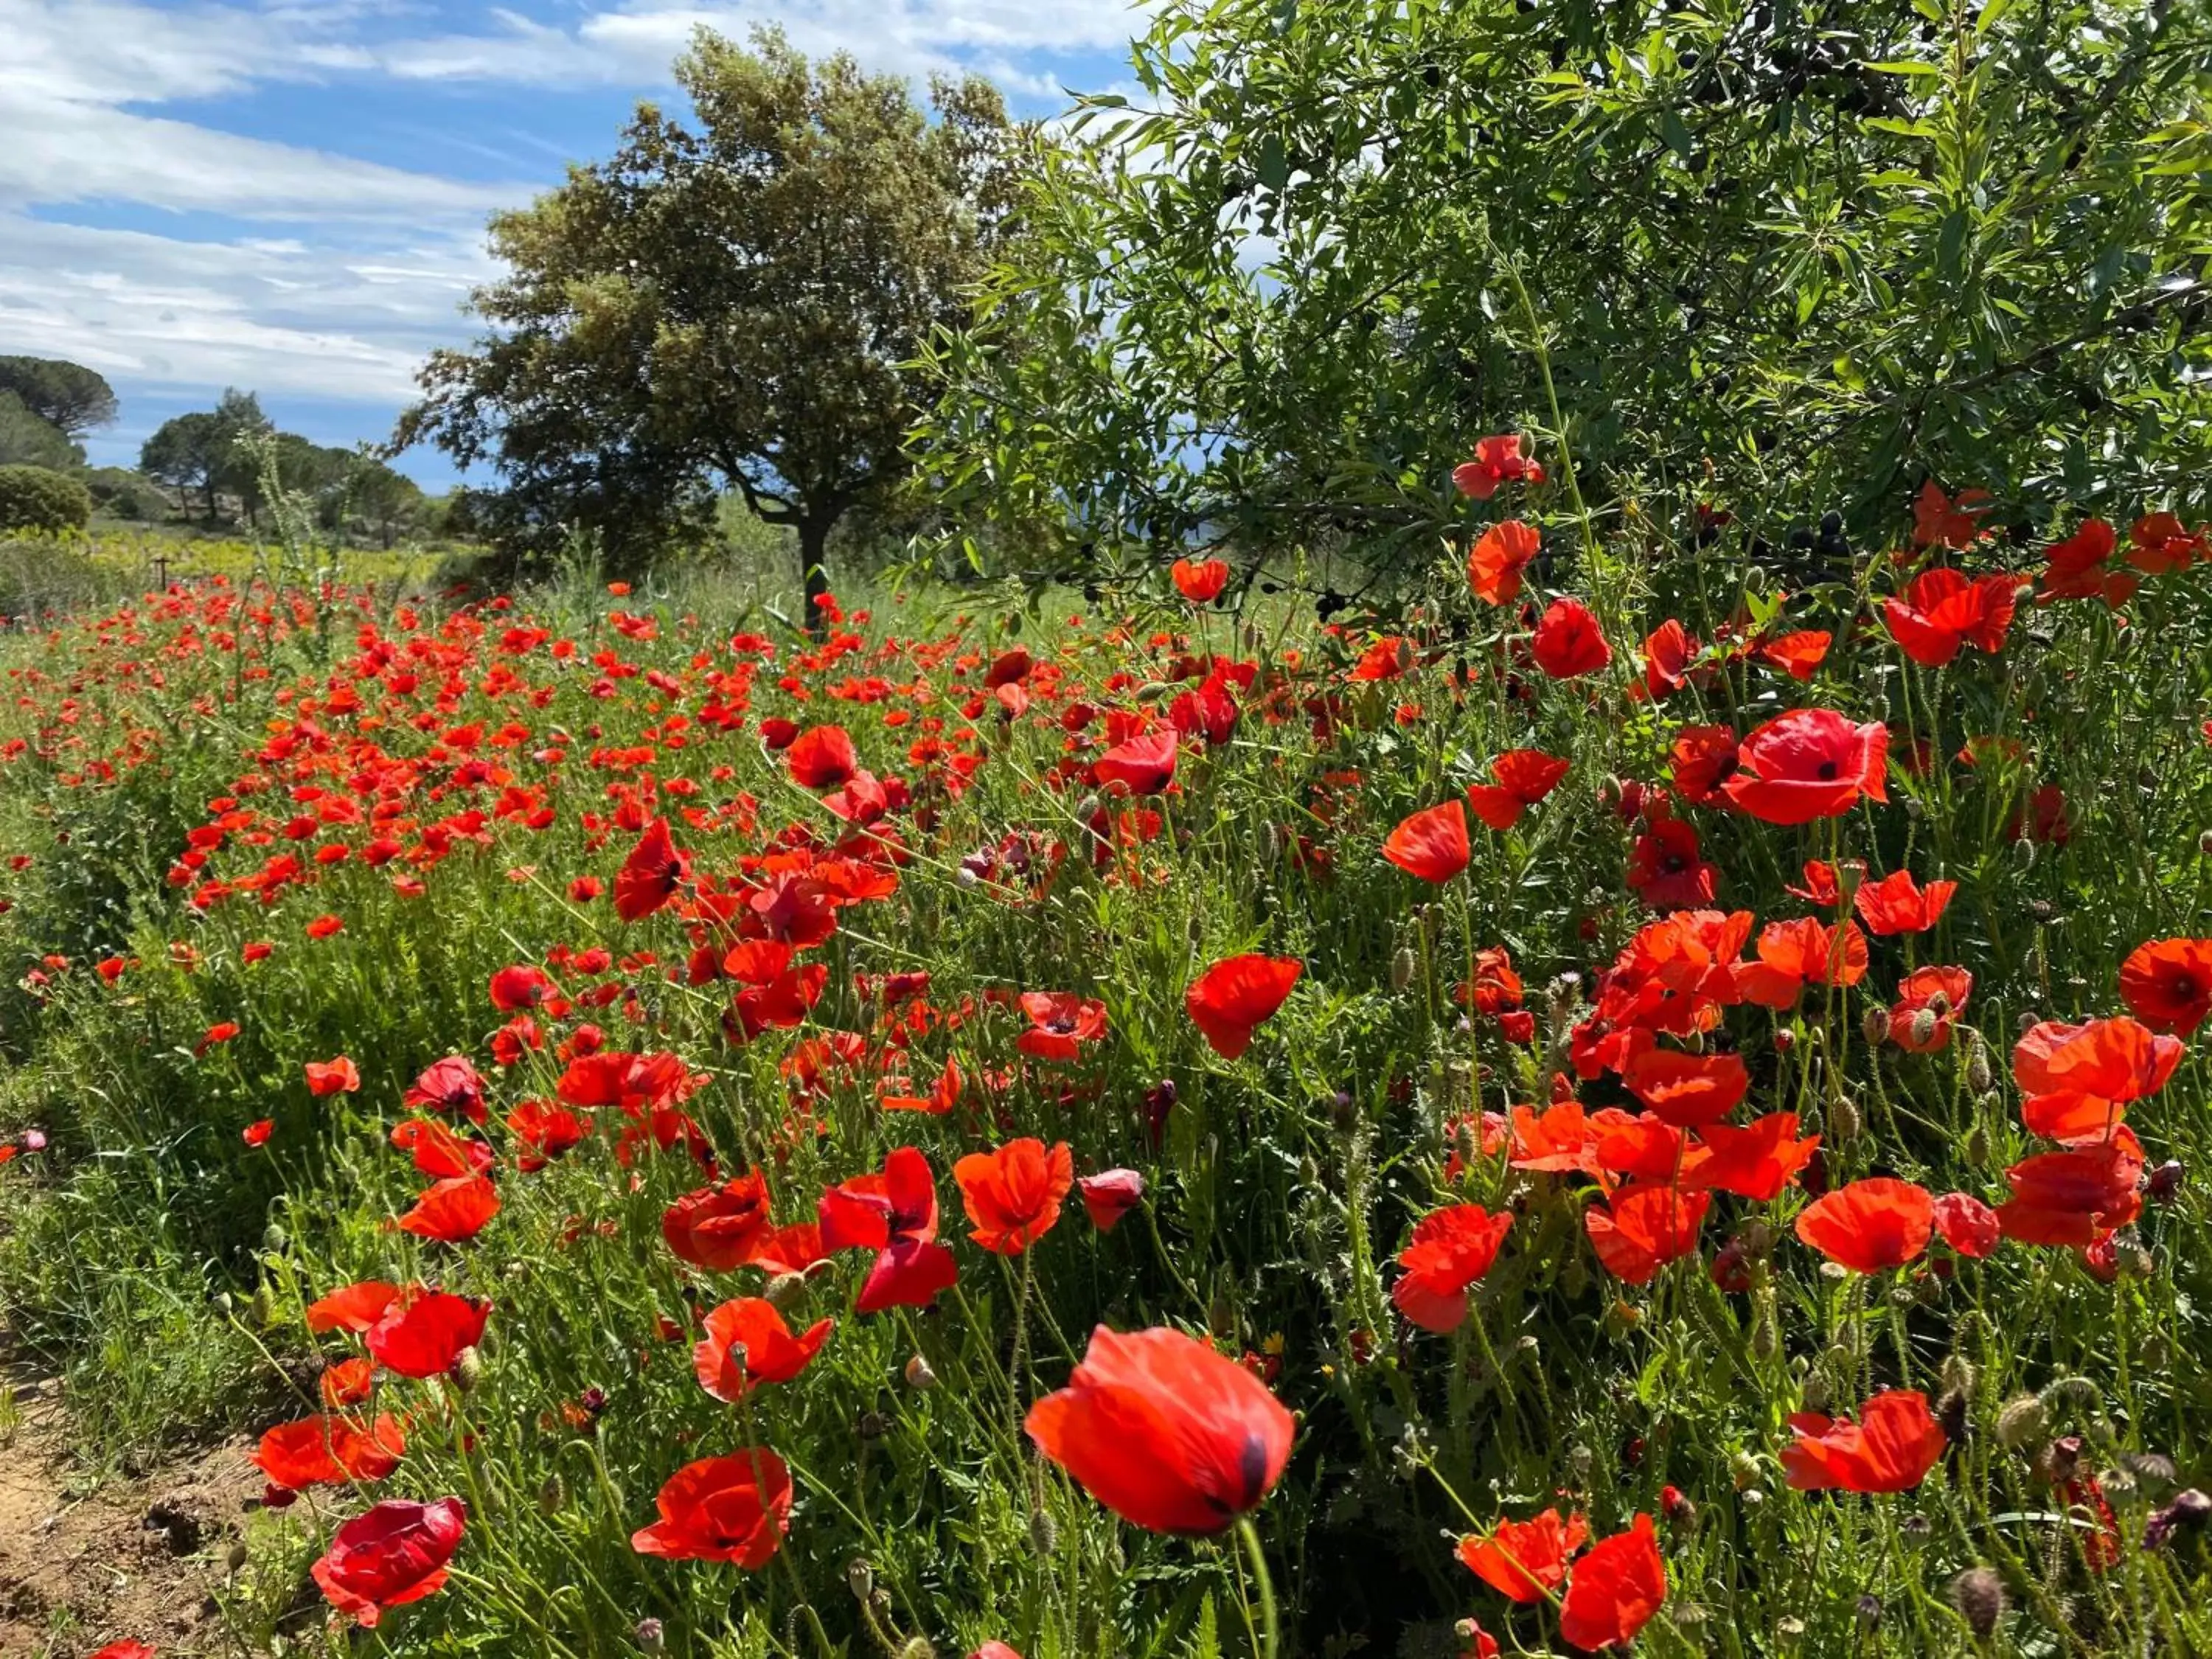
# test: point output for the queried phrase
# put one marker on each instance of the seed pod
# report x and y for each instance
(2064, 1391)
(860, 1578)
(1401, 968)
(2022, 1423)
(1980, 1595)
(918, 1375)
(1868, 1612)
(1978, 1079)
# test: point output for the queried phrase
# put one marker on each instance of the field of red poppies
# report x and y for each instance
(1663, 1116)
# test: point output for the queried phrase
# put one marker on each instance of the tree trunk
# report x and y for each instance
(813, 539)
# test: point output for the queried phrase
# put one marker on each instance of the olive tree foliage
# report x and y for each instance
(1783, 257)
(68, 396)
(727, 304)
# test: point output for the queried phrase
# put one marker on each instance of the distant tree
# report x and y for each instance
(732, 303)
(119, 493)
(199, 452)
(39, 498)
(28, 438)
(68, 396)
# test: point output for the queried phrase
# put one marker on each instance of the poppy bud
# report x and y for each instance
(1951, 1415)
(918, 1648)
(1676, 1506)
(2064, 1391)
(273, 1237)
(1044, 1532)
(783, 1290)
(553, 1495)
(918, 1375)
(871, 1426)
(1978, 1064)
(860, 1578)
(1959, 1373)
(649, 1637)
(2204, 843)
(1978, 1146)
(1815, 1392)
(223, 1304)
(264, 1305)
(1978, 1593)
(2023, 853)
(2166, 1180)
(2059, 1461)
(1874, 1027)
(467, 1369)
(236, 1559)
(2022, 1422)
(1342, 1110)
(1271, 843)
(1579, 1461)
(1843, 1117)
(1743, 1470)
(2189, 1509)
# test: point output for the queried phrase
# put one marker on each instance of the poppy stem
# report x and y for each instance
(1250, 1535)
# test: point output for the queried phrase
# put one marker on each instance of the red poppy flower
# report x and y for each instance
(1165, 1432)
(1524, 777)
(869, 1212)
(1899, 904)
(1756, 1162)
(2079, 569)
(423, 1332)
(1615, 1589)
(393, 1554)
(1568, 642)
(256, 1134)
(1060, 1023)
(1687, 1091)
(822, 757)
(2158, 545)
(1639, 1229)
(2072, 1073)
(736, 1508)
(453, 1211)
(355, 1308)
(1451, 1249)
(1798, 655)
(748, 1344)
(1929, 1003)
(1666, 870)
(1891, 1448)
(996, 1650)
(909, 1272)
(543, 1134)
(943, 1096)
(1704, 757)
(1431, 844)
(450, 1084)
(719, 1228)
(329, 1451)
(125, 1651)
(1110, 1195)
(437, 1152)
(1525, 1560)
(1201, 581)
(325, 926)
(777, 733)
(1498, 557)
(347, 1382)
(1014, 1194)
(519, 987)
(651, 875)
(1668, 651)
(1944, 609)
(1234, 997)
(1871, 1224)
(1145, 765)
(1496, 460)
(1966, 1224)
(1809, 763)
(1940, 521)
(2167, 983)
(336, 1076)
(2074, 1197)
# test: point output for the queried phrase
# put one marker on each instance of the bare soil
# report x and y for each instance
(84, 1564)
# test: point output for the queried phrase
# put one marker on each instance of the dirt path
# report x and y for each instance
(82, 1565)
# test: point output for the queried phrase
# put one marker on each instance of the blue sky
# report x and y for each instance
(289, 196)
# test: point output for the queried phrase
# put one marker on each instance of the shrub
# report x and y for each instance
(118, 493)
(34, 498)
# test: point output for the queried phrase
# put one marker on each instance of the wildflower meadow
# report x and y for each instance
(1644, 1116)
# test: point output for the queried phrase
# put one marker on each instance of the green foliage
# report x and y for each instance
(1783, 256)
(201, 451)
(27, 438)
(732, 302)
(68, 396)
(37, 499)
(117, 492)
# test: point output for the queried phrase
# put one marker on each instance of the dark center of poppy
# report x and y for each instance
(1827, 771)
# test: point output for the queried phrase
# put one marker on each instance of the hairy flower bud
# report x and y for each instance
(467, 1369)
(2022, 1423)
(918, 1375)
(1873, 1025)
(1978, 1593)
(781, 1291)
(649, 1637)
(1978, 1077)
(1401, 968)
(1044, 1531)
